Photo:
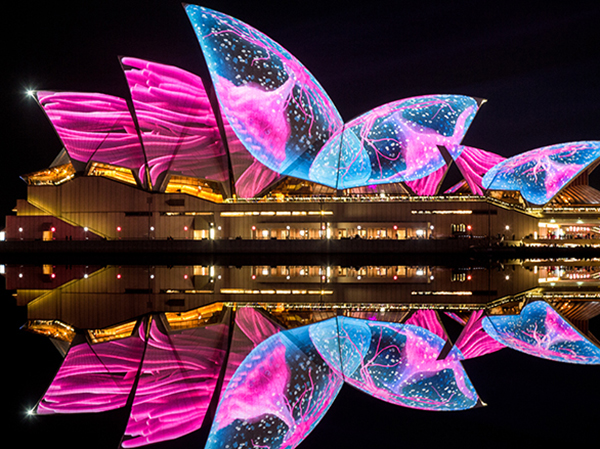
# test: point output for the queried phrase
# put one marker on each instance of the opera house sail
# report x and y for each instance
(254, 158)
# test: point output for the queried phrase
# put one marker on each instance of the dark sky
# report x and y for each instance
(537, 64)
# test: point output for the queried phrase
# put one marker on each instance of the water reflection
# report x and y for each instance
(257, 354)
(100, 296)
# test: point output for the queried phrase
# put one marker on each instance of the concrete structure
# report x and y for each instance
(89, 207)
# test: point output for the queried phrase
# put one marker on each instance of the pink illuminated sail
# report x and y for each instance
(430, 184)
(473, 341)
(94, 127)
(178, 127)
(428, 319)
(473, 164)
(251, 327)
(176, 383)
(95, 377)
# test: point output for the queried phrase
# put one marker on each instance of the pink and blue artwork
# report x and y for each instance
(277, 395)
(541, 173)
(540, 331)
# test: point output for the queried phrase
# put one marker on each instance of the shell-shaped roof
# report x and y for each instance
(173, 129)
(473, 164)
(274, 119)
(94, 126)
(274, 104)
(177, 126)
(394, 142)
(287, 121)
(541, 173)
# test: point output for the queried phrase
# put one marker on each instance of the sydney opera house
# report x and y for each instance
(257, 150)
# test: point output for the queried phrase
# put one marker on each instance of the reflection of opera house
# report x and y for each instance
(258, 150)
(257, 354)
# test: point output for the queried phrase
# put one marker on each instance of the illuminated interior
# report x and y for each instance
(120, 174)
(52, 329)
(112, 333)
(51, 176)
(195, 187)
(195, 318)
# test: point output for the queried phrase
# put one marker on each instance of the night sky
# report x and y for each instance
(538, 67)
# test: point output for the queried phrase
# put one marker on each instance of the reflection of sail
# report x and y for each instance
(428, 319)
(397, 363)
(540, 331)
(473, 341)
(285, 385)
(251, 327)
(278, 394)
(176, 382)
(95, 377)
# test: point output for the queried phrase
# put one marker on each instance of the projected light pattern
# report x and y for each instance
(473, 341)
(540, 331)
(251, 177)
(541, 173)
(250, 329)
(278, 384)
(176, 383)
(396, 363)
(277, 396)
(95, 378)
(276, 107)
(427, 319)
(394, 142)
(94, 126)
(278, 121)
(473, 164)
(430, 184)
(178, 128)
